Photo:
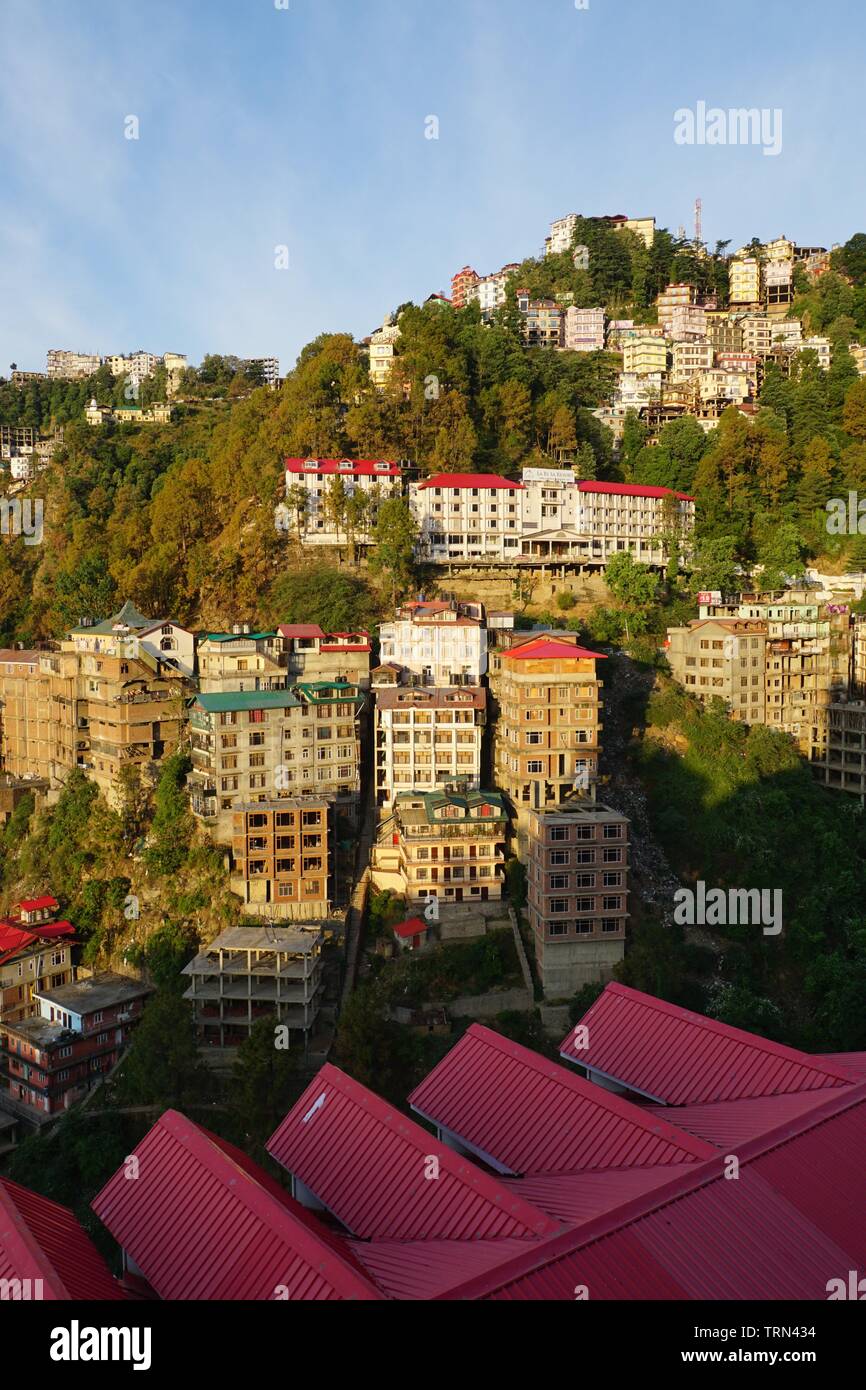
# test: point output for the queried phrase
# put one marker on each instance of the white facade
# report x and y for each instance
(315, 524)
(382, 350)
(70, 365)
(440, 644)
(687, 321)
(719, 384)
(427, 740)
(566, 518)
(689, 359)
(822, 347)
(491, 289)
(561, 234)
(466, 516)
(584, 329)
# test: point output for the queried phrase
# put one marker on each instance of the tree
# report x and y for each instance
(266, 1079)
(335, 503)
(163, 1067)
(563, 434)
(298, 502)
(394, 538)
(854, 411)
(634, 586)
(715, 565)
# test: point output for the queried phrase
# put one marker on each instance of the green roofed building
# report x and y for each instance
(443, 845)
(253, 746)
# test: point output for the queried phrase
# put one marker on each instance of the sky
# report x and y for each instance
(304, 125)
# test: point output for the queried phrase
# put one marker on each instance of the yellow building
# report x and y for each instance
(745, 281)
(645, 356)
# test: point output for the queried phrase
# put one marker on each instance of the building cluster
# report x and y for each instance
(790, 662)
(27, 450)
(600, 1176)
(551, 515)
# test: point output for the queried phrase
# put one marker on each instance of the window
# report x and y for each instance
(559, 880)
(558, 905)
(534, 765)
(559, 832)
(612, 904)
(557, 929)
(612, 880)
(559, 856)
(613, 832)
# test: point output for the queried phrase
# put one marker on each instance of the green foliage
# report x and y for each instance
(565, 600)
(172, 827)
(266, 1082)
(318, 593)
(516, 883)
(164, 953)
(386, 909)
(162, 1066)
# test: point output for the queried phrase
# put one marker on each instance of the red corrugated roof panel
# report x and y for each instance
(576, 1198)
(633, 490)
(14, 939)
(551, 649)
(373, 1168)
(523, 1114)
(676, 1057)
(39, 1239)
(482, 480)
(728, 1123)
(300, 630)
(33, 904)
(424, 1269)
(413, 926)
(778, 1230)
(385, 468)
(202, 1221)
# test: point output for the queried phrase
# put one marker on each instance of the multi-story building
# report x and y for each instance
(71, 366)
(443, 845)
(645, 355)
(428, 739)
(51, 1060)
(690, 358)
(464, 287)
(562, 233)
(249, 973)
(644, 227)
(466, 516)
(723, 658)
(758, 333)
(821, 347)
(724, 332)
(382, 351)
(577, 882)
(779, 285)
(787, 333)
(548, 697)
(492, 288)
(838, 752)
(35, 954)
(136, 366)
(269, 367)
(687, 321)
(247, 660)
(745, 281)
(584, 329)
(722, 385)
(283, 857)
(157, 642)
(680, 296)
(542, 321)
(441, 643)
(570, 519)
(260, 745)
(334, 501)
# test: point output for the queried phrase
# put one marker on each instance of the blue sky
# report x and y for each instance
(305, 127)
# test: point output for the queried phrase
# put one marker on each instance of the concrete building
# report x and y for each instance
(250, 746)
(51, 1060)
(584, 329)
(577, 871)
(725, 658)
(465, 516)
(335, 501)
(34, 956)
(542, 321)
(820, 346)
(689, 359)
(440, 643)
(382, 352)
(443, 845)
(428, 739)
(269, 367)
(253, 972)
(284, 858)
(246, 660)
(71, 366)
(645, 355)
(562, 233)
(745, 283)
(548, 699)
(129, 634)
(680, 296)
(838, 754)
(464, 287)
(758, 333)
(491, 289)
(725, 332)
(687, 321)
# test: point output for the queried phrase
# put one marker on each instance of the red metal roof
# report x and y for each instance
(39, 1239)
(676, 1057)
(729, 1123)
(521, 1113)
(853, 1062)
(13, 940)
(359, 468)
(424, 1269)
(47, 931)
(633, 490)
(33, 904)
(371, 1167)
(576, 1198)
(202, 1221)
(793, 1220)
(552, 648)
(470, 480)
(300, 630)
(413, 926)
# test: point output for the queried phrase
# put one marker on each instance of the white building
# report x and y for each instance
(720, 384)
(580, 520)
(822, 347)
(270, 369)
(315, 522)
(491, 289)
(561, 235)
(438, 643)
(71, 365)
(689, 359)
(687, 321)
(584, 329)
(428, 739)
(467, 516)
(381, 351)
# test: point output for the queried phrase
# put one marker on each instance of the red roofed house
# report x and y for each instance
(546, 744)
(566, 518)
(32, 958)
(197, 1219)
(319, 492)
(412, 934)
(45, 1253)
(467, 516)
